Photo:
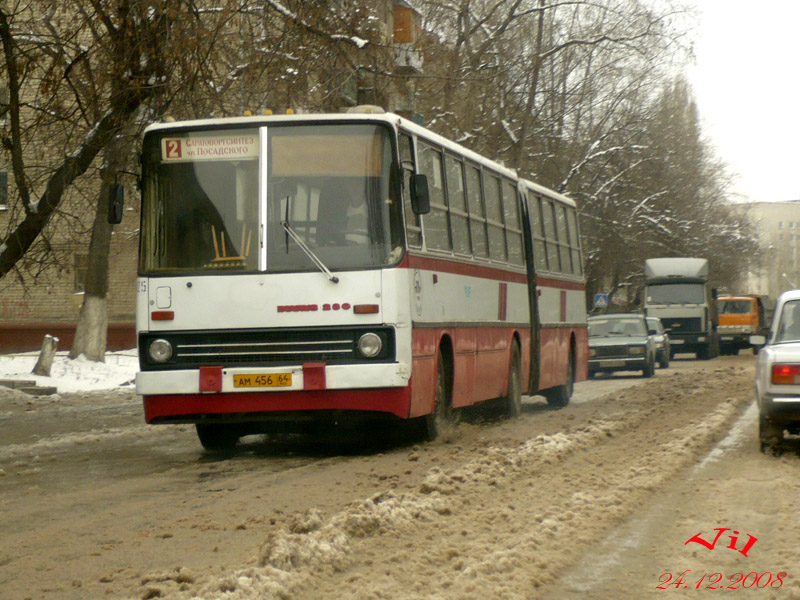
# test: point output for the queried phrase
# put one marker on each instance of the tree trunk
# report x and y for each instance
(45, 361)
(533, 88)
(92, 331)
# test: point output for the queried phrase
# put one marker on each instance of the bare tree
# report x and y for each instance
(85, 79)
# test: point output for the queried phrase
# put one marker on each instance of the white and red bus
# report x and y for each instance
(301, 269)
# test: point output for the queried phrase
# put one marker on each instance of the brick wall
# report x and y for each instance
(50, 303)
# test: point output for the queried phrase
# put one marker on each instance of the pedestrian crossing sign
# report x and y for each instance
(601, 300)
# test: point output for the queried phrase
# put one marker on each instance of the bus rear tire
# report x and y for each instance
(216, 437)
(559, 396)
(511, 403)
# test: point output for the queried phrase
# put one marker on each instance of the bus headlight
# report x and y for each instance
(369, 345)
(160, 350)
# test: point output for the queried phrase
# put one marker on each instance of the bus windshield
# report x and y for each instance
(212, 202)
(676, 293)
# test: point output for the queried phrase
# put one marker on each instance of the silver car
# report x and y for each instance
(778, 374)
(661, 338)
(621, 342)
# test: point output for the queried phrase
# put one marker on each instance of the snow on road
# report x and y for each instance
(593, 501)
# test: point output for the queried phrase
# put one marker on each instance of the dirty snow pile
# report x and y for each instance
(74, 375)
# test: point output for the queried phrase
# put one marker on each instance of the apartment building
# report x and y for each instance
(778, 225)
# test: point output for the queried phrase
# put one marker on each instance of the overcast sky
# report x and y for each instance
(747, 83)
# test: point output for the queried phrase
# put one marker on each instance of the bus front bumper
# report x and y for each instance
(187, 395)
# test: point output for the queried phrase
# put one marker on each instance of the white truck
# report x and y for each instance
(678, 292)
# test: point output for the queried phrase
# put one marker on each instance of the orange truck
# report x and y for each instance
(739, 318)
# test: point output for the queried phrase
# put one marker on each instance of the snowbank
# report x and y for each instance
(76, 375)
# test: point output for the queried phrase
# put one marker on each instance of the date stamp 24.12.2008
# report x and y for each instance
(718, 581)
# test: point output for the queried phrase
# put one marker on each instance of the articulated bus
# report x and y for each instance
(301, 270)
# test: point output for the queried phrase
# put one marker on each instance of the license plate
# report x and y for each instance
(726, 338)
(673, 342)
(247, 380)
(614, 363)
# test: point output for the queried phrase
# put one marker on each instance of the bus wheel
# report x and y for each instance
(217, 438)
(511, 403)
(433, 424)
(558, 397)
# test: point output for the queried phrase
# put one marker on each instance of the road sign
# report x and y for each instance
(601, 300)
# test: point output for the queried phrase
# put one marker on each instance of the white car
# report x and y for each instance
(778, 374)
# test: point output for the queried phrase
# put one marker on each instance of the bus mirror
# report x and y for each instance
(420, 198)
(116, 202)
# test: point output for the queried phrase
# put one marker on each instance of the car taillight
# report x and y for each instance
(786, 374)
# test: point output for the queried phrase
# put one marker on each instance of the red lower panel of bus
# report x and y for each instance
(184, 407)
(554, 346)
(480, 364)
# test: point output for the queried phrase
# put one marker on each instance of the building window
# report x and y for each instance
(81, 267)
(780, 224)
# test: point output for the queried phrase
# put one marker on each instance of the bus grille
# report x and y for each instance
(264, 347)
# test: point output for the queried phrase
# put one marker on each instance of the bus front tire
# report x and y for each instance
(433, 424)
(216, 437)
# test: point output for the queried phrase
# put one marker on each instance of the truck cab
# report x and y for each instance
(739, 318)
(679, 293)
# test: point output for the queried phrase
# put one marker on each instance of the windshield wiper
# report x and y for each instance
(308, 252)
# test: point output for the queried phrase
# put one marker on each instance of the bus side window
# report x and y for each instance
(563, 238)
(435, 223)
(550, 235)
(494, 218)
(513, 230)
(477, 217)
(574, 242)
(537, 232)
(413, 229)
(456, 200)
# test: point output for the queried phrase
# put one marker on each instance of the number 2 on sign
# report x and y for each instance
(679, 581)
